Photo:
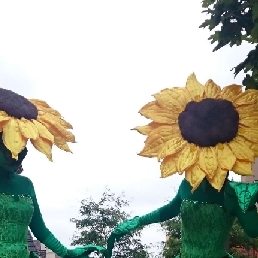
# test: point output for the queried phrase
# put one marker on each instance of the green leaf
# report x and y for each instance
(207, 3)
(255, 11)
(250, 83)
(254, 31)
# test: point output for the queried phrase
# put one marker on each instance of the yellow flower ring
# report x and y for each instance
(202, 130)
(22, 119)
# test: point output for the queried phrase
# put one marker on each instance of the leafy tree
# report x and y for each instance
(240, 244)
(232, 23)
(98, 219)
(172, 228)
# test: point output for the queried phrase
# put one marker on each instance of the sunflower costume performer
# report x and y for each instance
(21, 120)
(203, 132)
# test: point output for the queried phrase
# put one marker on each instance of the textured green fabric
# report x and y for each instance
(53, 244)
(18, 213)
(205, 229)
(20, 209)
(207, 217)
(15, 215)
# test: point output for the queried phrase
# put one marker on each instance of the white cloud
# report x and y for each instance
(98, 62)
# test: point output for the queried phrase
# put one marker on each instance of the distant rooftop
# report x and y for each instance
(31, 245)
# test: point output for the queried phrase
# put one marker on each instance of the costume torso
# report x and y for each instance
(17, 207)
(205, 229)
(15, 215)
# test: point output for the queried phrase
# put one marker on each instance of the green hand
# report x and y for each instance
(84, 251)
(127, 226)
(33, 255)
(121, 230)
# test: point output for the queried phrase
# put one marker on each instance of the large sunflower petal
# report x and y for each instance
(249, 121)
(231, 92)
(226, 158)
(28, 129)
(43, 131)
(53, 125)
(65, 124)
(254, 148)
(246, 111)
(13, 138)
(38, 102)
(187, 157)
(43, 146)
(174, 99)
(240, 149)
(147, 129)
(157, 139)
(195, 88)
(172, 147)
(219, 178)
(44, 108)
(249, 133)
(194, 175)
(4, 116)
(168, 166)
(243, 168)
(248, 97)
(158, 114)
(208, 161)
(61, 144)
(211, 89)
(253, 115)
(49, 110)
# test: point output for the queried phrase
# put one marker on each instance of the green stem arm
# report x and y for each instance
(41, 232)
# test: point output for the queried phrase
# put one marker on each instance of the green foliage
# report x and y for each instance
(97, 221)
(240, 241)
(172, 228)
(235, 21)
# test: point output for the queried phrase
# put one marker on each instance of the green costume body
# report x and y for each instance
(23, 120)
(202, 131)
(20, 210)
(207, 217)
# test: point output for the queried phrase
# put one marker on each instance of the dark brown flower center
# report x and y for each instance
(16, 105)
(209, 122)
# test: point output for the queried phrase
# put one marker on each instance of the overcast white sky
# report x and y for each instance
(99, 62)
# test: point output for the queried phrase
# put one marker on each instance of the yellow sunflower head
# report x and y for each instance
(22, 119)
(202, 130)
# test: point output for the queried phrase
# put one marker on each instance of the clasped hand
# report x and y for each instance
(121, 230)
(84, 251)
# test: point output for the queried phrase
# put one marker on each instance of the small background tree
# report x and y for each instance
(240, 244)
(172, 228)
(97, 221)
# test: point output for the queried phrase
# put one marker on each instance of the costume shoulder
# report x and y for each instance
(24, 185)
(245, 193)
(23, 179)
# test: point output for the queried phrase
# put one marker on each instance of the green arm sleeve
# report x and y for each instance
(41, 232)
(249, 221)
(166, 212)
